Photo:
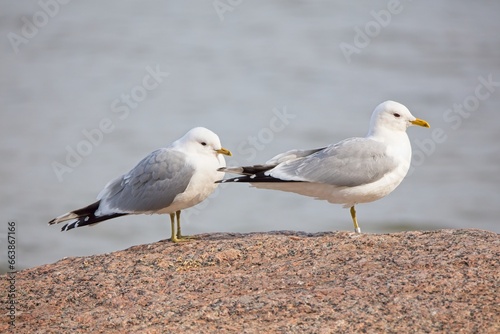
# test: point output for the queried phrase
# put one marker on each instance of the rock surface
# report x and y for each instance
(285, 282)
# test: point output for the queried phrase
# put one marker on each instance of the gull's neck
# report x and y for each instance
(385, 135)
(398, 144)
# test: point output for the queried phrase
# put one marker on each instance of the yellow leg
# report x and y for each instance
(177, 236)
(354, 220)
(173, 236)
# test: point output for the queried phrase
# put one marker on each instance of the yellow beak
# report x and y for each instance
(224, 151)
(420, 122)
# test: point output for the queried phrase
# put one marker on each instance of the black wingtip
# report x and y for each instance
(234, 179)
(224, 181)
(257, 178)
(76, 223)
(90, 220)
(66, 228)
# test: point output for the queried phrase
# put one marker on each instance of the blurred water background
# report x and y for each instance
(266, 76)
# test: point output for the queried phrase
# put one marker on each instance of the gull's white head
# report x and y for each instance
(393, 116)
(201, 141)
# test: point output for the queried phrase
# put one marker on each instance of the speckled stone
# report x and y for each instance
(444, 281)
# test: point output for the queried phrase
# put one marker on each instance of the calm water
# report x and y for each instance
(326, 65)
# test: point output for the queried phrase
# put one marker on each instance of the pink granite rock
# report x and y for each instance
(444, 281)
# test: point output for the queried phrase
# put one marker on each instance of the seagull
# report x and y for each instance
(168, 180)
(355, 170)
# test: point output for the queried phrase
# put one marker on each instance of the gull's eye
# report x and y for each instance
(397, 115)
(203, 143)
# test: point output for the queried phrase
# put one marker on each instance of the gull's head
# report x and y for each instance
(393, 116)
(201, 141)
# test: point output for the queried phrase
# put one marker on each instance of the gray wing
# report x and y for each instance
(351, 162)
(151, 185)
(270, 164)
(290, 155)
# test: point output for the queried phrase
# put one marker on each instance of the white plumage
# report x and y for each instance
(355, 170)
(168, 180)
